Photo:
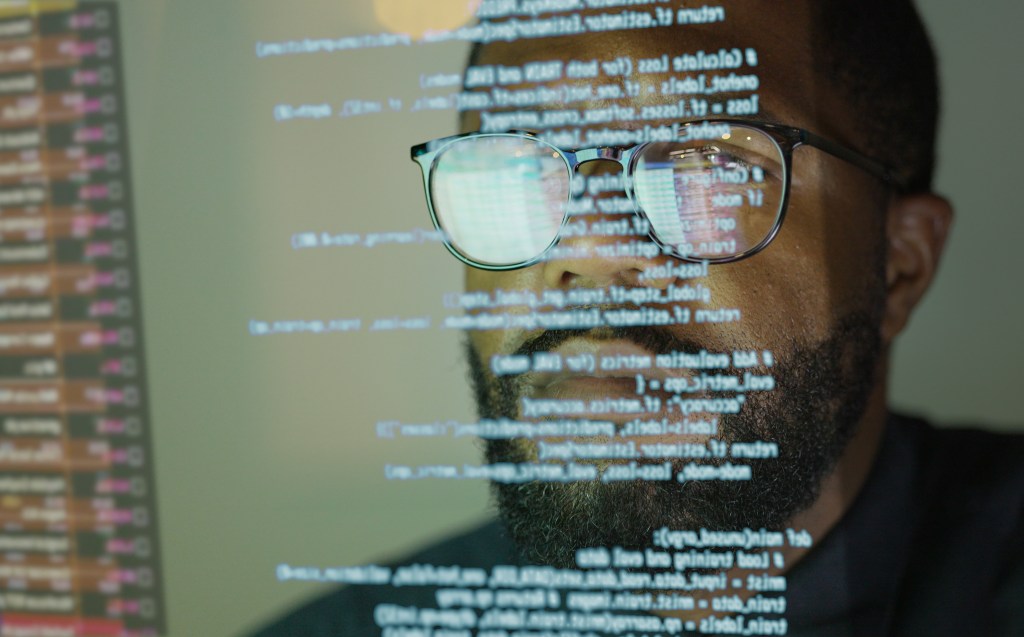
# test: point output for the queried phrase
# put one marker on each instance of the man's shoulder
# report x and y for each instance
(965, 569)
(349, 610)
(983, 465)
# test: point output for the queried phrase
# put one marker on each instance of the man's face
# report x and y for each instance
(813, 298)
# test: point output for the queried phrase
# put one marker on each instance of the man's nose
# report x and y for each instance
(591, 234)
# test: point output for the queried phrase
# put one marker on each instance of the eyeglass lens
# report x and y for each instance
(711, 198)
(501, 199)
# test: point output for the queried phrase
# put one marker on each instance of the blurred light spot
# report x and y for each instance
(417, 17)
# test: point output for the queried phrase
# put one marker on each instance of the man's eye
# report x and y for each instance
(759, 168)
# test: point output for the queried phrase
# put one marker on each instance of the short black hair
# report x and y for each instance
(877, 54)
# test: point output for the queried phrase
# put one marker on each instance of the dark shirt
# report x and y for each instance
(933, 545)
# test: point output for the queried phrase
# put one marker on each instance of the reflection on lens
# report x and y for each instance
(500, 199)
(711, 198)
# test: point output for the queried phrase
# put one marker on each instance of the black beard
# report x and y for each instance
(820, 396)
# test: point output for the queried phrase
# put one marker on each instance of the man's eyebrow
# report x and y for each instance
(768, 115)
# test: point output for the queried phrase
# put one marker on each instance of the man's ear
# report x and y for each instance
(916, 231)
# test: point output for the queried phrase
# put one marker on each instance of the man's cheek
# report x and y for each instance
(487, 344)
(511, 450)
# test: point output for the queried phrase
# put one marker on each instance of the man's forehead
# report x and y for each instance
(779, 34)
(773, 28)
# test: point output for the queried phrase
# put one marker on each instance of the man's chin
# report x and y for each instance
(820, 396)
(549, 521)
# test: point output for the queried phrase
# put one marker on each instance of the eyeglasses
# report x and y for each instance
(717, 192)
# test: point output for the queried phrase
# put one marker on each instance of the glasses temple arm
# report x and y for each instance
(876, 168)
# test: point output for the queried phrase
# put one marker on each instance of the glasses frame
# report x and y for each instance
(786, 138)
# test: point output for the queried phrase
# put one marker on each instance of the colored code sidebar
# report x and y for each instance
(78, 533)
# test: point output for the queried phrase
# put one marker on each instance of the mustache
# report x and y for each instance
(655, 339)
